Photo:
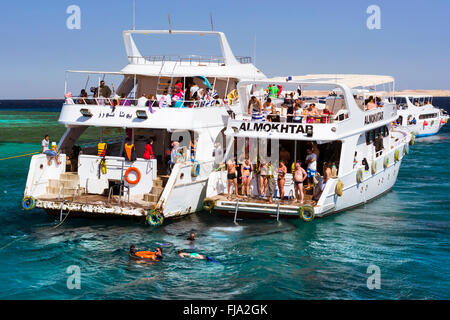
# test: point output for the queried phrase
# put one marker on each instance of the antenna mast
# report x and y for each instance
(134, 15)
(212, 25)
(170, 24)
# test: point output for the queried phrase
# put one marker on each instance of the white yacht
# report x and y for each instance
(359, 145)
(418, 115)
(91, 183)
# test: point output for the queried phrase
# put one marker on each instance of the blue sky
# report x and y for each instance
(292, 38)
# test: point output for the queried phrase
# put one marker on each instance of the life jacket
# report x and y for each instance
(101, 149)
(130, 152)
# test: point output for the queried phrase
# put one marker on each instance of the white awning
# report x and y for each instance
(95, 72)
(351, 80)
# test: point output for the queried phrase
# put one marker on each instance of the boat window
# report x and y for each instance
(428, 116)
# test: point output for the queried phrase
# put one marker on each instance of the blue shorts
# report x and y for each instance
(50, 153)
(310, 173)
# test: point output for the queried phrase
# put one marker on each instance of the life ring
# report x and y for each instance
(306, 213)
(154, 218)
(386, 162)
(406, 149)
(208, 204)
(413, 139)
(145, 254)
(138, 173)
(195, 171)
(397, 155)
(339, 188)
(374, 167)
(359, 175)
(28, 203)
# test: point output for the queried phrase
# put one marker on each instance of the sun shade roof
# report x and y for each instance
(351, 80)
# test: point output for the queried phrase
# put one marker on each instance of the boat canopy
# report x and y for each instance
(351, 80)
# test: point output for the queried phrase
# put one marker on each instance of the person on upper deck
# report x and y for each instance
(124, 101)
(83, 99)
(105, 90)
(326, 113)
(255, 109)
(370, 103)
(379, 102)
(288, 103)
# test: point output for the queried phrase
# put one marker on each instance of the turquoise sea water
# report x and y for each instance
(405, 233)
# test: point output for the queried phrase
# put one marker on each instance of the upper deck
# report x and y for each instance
(347, 115)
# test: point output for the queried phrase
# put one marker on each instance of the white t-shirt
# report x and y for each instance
(45, 144)
(312, 165)
(142, 101)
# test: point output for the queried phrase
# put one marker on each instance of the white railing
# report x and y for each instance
(189, 60)
(127, 102)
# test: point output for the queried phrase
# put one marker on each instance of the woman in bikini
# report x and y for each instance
(299, 177)
(263, 172)
(282, 170)
(246, 172)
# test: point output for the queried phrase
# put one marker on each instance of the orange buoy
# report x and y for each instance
(425, 123)
(138, 173)
(146, 254)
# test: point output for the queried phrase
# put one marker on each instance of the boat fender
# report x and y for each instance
(374, 167)
(103, 166)
(195, 169)
(154, 218)
(359, 175)
(386, 162)
(339, 188)
(28, 203)
(413, 139)
(306, 213)
(397, 155)
(208, 205)
(138, 173)
(432, 122)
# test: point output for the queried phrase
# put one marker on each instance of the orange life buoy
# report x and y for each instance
(138, 173)
(146, 254)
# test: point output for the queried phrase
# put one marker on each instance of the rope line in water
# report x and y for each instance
(23, 155)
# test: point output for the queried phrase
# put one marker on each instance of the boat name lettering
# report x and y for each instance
(371, 118)
(112, 114)
(276, 127)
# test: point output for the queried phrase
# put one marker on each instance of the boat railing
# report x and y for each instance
(127, 102)
(303, 119)
(186, 60)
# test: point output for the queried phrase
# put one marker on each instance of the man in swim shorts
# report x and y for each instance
(232, 178)
(194, 255)
(299, 176)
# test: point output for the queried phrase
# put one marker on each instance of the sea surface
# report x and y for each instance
(406, 234)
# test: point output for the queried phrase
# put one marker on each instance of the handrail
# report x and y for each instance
(127, 102)
(190, 59)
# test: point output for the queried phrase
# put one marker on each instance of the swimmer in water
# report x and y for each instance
(194, 255)
(156, 257)
(191, 237)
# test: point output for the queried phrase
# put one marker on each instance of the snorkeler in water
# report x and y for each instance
(194, 255)
(191, 237)
(144, 255)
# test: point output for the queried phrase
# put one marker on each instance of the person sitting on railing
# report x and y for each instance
(164, 100)
(326, 114)
(269, 109)
(83, 99)
(297, 113)
(124, 101)
(255, 109)
(49, 153)
(68, 97)
(150, 102)
(378, 102)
